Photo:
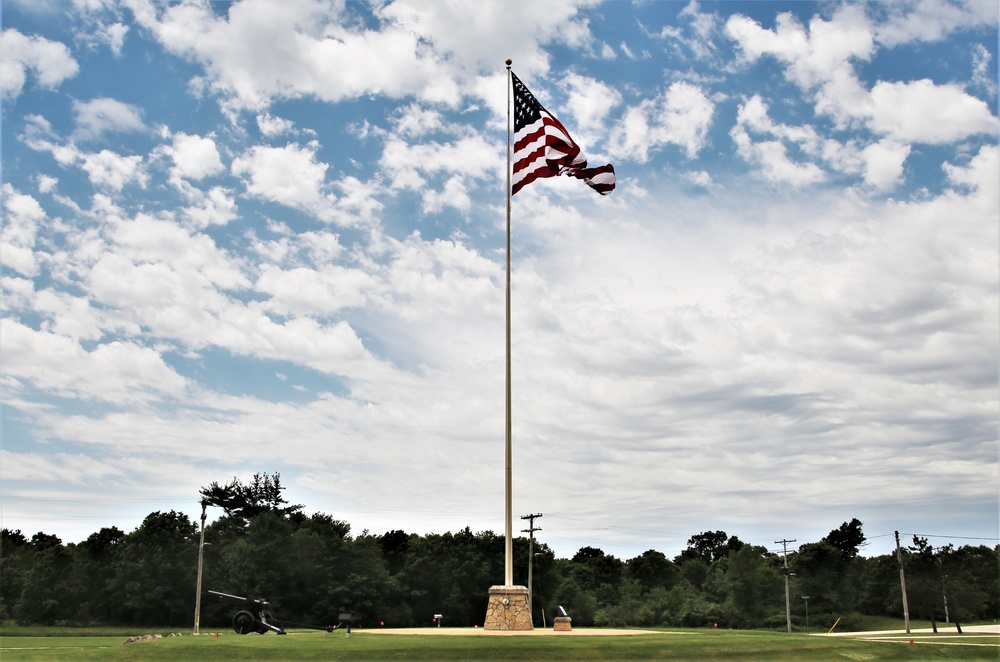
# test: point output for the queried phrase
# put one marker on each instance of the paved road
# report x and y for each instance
(942, 629)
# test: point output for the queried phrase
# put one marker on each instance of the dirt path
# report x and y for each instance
(480, 632)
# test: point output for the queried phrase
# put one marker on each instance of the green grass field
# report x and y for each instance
(361, 645)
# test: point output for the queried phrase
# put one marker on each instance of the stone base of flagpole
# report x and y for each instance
(508, 609)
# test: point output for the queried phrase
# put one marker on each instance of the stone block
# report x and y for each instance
(508, 609)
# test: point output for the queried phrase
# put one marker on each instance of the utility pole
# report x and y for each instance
(788, 602)
(902, 584)
(201, 553)
(531, 557)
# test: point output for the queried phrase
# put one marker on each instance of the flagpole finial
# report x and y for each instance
(509, 62)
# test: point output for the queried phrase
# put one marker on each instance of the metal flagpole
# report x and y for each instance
(508, 526)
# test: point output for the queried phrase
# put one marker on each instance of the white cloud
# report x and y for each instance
(107, 170)
(272, 126)
(923, 112)
(323, 291)
(699, 178)
(883, 163)
(111, 171)
(772, 158)
(114, 35)
(97, 117)
(86, 5)
(680, 116)
(289, 175)
(49, 61)
(78, 469)
(702, 29)
(359, 202)
(162, 278)
(931, 20)
(146, 240)
(589, 101)
(880, 163)
(821, 60)
(47, 183)
(454, 194)
(408, 165)
(216, 207)
(68, 315)
(433, 280)
(419, 49)
(17, 237)
(480, 35)
(814, 57)
(264, 49)
(414, 121)
(980, 174)
(772, 155)
(704, 25)
(117, 372)
(754, 114)
(982, 73)
(819, 324)
(195, 157)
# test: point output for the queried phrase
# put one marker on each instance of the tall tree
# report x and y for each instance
(847, 538)
(710, 546)
(821, 573)
(923, 581)
(95, 563)
(45, 585)
(598, 573)
(651, 569)
(156, 570)
(243, 502)
(754, 587)
(15, 563)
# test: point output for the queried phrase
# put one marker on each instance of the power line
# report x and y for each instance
(75, 499)
(933, 535)
(661, 534)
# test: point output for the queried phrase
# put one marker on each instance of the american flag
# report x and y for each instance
(543, 147)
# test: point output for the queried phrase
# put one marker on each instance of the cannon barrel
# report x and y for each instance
(229, 596)
(238, 598)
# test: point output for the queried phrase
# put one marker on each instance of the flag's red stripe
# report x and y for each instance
(538, 174)
(545, 149)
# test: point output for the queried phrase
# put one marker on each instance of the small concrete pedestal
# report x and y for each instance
(563, 624)
(508, 609)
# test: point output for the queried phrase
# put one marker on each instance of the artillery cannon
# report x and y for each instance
(256, 617)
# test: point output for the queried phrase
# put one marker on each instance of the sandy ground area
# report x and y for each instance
(480, 632)
(970, 630)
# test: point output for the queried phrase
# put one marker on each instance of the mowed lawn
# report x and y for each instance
(362, 645)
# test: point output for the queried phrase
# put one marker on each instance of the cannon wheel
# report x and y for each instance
(244, 622)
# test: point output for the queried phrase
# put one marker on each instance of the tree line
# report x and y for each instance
(311, 568)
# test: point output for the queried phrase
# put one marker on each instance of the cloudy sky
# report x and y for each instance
(268, 236)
